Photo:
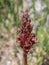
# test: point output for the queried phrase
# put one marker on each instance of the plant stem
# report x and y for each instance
(25, 58)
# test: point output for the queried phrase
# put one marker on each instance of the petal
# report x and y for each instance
(30, 36)
(17, 38)
(34, 40)
(19, 30)
(22, 37)
(27, 47)
(29, 19)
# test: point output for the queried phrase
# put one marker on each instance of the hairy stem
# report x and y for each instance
(25, 58)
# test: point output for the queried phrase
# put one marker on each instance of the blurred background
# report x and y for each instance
(11, 12)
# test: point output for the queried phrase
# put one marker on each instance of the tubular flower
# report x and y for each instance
(26, 38)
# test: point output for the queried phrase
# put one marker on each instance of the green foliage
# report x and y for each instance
(16, 20)
(7, 6)
(19, 2)
(43, 39)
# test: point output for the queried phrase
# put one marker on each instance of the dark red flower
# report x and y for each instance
(26, 48)
(26, 38)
